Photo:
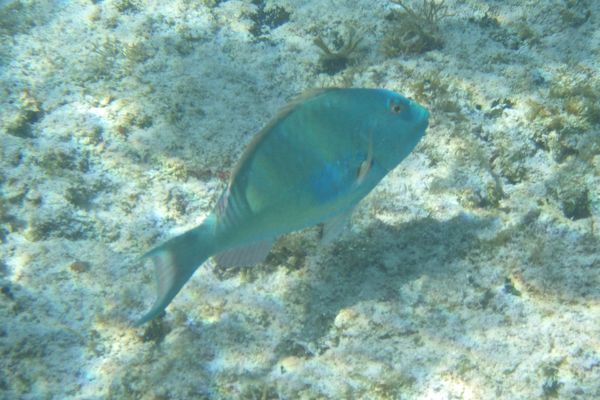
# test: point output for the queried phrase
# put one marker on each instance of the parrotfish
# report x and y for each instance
(310, 164)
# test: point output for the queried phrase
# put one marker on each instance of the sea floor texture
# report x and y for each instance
(471, 272)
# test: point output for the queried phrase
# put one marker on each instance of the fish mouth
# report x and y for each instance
(423, 119)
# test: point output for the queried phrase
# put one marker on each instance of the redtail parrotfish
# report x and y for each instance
(310, 164)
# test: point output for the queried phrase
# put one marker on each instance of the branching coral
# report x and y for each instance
(335, 61)
(429, 14)
(417, 28)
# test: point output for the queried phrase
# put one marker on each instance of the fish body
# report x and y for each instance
(312, 163)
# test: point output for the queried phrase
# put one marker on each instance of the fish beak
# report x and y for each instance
(423, 119)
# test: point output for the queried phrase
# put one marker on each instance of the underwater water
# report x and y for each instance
(471, 271)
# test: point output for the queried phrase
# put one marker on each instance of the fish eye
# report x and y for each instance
(396, 107)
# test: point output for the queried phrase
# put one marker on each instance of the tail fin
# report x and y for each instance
(175, 261)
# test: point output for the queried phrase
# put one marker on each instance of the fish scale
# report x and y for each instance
(312, 163)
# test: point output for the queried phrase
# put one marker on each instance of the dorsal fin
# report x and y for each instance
(268, 128)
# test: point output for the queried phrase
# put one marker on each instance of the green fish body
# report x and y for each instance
(312, 163)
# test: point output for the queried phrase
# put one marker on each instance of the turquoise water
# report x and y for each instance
(471, 271)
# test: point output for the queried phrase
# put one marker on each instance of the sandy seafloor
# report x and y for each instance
(471, 272)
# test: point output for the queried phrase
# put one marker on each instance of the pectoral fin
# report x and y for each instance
(365, 166)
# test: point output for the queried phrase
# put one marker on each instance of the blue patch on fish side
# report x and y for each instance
(335, 178)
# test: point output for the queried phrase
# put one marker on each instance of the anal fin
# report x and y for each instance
(248, 255)
(334, 226)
